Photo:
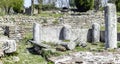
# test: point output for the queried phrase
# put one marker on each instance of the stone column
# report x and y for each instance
(110, 26)
(95, 32)
(36, 33)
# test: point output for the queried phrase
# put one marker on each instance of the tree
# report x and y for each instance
(32, 7)
(118, 5)
(97, 4)
(84, 5)
(40, 6)
(111, 1)
(18, 6)
(72, 3)
(8, 4)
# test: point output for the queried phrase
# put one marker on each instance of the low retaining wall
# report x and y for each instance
(56, 34)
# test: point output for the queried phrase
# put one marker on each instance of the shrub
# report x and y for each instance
(48, 7)
(72, 3)
(18, 6)
(118, 5)
(84, 5)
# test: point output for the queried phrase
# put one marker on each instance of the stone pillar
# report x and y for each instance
(36, 33)
(110, 26)
(95, 32)
(66, 32)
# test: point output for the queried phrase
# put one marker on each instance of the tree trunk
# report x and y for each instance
(32, 7)
(40, 6)
(7, 9)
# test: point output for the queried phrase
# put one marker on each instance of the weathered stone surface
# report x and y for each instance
(36, 33)
(60, 48)
(67, 32)
(111, 26)
(88, 58)
(1, 53)
(82, 40)
(71, 45)
(51, 34)
(9, 46)
(95, 32)
(60, 59)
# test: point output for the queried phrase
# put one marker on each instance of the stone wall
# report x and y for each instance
(55, 34)
(50, 31)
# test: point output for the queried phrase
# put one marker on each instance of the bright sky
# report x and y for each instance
(27, 3)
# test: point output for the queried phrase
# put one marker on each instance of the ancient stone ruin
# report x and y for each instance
(79, 36)
(71, 31)
(110, 26)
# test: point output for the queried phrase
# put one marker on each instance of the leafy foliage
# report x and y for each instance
(40, 6)
(118, 5)
(48, 7)
(84, 5)
(17, 6)
(72, 3)
(8, 4)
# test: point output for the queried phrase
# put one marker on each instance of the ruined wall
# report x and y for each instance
(55, 34)
(50, 31)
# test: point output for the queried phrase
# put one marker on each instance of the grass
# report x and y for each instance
(118, 13)
(118, 24)
(118, 27)
(24, 55)
(28, 58)
(46, 14)
(91, 47)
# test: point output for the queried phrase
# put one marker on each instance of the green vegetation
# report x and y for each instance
(30, 58)
(24, 55)
(66, 40)
(118, 13)
(72, 3)
(118, 27)
(84, 5)
(118, 44)
(102, 28)
(55, 22)
(48, 7)
(99, 46)
(40, 6)
(8, 4)
(47, 54)
(118, 5)
(47, 14)
(50, 62)
(18, 6)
